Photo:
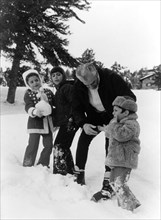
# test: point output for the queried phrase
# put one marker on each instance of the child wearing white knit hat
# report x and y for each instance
(38, 105)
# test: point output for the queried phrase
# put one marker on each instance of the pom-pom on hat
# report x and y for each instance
(27, 73)
(126, 103)
(86, 73)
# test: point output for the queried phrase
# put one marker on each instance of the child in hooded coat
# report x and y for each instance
(38, 105)
(124, 147)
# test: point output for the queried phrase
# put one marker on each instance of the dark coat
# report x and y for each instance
(36, 124)
(63, 106)
(111, 85)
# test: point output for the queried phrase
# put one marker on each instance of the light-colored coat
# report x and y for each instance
(124, 143)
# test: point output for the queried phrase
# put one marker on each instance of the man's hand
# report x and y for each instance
(90, 129)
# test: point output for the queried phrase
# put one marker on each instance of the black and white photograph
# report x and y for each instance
(80, 98)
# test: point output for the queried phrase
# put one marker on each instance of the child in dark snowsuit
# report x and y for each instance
(62, 118)
(38, 105)
(124, 146)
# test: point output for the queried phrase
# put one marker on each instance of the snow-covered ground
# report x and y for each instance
(35, 193)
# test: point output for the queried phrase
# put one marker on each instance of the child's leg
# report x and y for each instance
(31, 150)
(63, 159)
(106, 187)
(46, 152)
(122, 174)
(126, 199)
(106, 192)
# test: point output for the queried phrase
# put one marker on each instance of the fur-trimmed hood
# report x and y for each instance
(27, 73)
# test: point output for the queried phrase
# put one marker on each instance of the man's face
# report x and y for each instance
(88, 75)
(91, 83)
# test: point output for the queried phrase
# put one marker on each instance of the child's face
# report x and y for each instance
(34, 83)
(118, 114)
(57, 78)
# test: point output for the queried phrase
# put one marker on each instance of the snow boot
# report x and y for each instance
(106, 192)
(126, 199)
(104, 195)
(28, 162)
(79, 176)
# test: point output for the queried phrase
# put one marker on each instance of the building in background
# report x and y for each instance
(148, 81)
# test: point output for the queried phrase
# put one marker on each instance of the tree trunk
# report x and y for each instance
(13, 81)
(11, 92)
(13, 75)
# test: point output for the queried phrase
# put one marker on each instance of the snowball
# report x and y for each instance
(44, 107)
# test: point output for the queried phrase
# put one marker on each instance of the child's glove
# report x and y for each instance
(105, 129)
(101, 128)
(114, 120)
(37, 112)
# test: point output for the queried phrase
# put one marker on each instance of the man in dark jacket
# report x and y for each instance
(93, 94)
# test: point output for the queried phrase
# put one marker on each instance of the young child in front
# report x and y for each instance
(38, 105)
(124, 146)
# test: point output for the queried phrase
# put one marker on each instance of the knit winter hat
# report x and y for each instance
(86, 73)
(27, 73)
(57, 69)
(125, 102)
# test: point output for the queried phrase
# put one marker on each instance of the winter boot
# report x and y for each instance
(106, 192)
(126, 199)
(28, 162)
(79, 176)
(69, 162)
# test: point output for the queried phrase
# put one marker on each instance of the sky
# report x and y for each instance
(127, 32)
(34, 193)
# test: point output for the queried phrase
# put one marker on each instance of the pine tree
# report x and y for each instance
(42, 24)
(116, 67)
(89, 56)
